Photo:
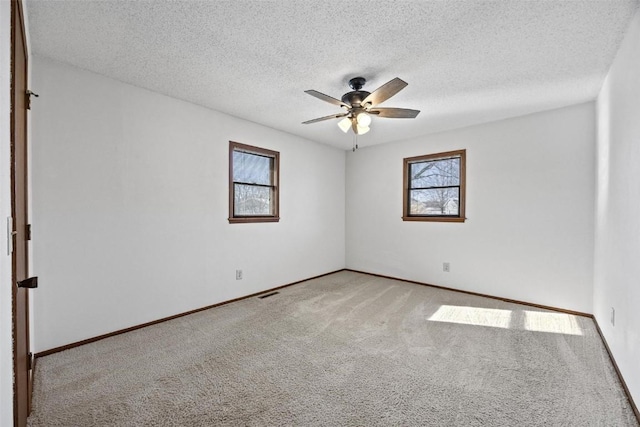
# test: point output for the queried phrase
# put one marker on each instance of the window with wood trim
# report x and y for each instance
(434, 187)
(253, 184)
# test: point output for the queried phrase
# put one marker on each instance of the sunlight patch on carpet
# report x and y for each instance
(557, 323)
(535, 321)
(477, 316)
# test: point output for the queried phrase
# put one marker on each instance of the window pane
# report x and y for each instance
(251, 168)
(252, 200)
(437, 173)
(435, 201)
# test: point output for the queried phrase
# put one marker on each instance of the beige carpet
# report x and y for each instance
(344, 350)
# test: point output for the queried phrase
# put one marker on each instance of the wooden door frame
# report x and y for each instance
(17, 14)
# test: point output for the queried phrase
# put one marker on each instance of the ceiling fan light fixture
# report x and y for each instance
(345, 124)
(363, 119)
(362, 129)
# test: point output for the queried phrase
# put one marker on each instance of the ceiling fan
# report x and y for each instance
(360, 105)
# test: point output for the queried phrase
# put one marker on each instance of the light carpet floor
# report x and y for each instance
(346, 349)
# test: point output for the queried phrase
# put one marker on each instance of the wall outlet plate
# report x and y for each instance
(238, 274)
(446, 267)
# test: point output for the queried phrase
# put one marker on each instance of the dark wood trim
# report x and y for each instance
(545, 307)
(615, 366)
(164, 319)
(275, 177)
(434, 218)
(240, 220)
(463, 185)
(12, 132)
(19, 297)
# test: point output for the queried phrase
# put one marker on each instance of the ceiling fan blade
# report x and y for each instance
(321, 119)
(326, 98)
(395, 113)
(385, 92)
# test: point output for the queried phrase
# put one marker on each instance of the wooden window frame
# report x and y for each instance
(275, 184)
(406, 216)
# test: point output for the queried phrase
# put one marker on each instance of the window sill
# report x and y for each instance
(433, 218)
(242, 220)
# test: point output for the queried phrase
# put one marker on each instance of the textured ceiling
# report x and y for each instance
(466, 62)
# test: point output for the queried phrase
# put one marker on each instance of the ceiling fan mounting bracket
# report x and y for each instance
(356, 83)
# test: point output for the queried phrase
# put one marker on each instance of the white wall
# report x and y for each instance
(617, 237)
(530, 195)
(130, 207)
(6, 353)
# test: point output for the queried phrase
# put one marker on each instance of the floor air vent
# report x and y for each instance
(270, 294)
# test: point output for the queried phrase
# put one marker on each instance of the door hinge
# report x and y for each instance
(28, 232)
(30, 362)
(29, 93)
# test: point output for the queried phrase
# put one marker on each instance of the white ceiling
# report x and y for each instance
(466, 62)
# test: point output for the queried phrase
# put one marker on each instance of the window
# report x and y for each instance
(434, 187)
(253, 184)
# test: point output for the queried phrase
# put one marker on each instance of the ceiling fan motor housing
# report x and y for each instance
(355, 98)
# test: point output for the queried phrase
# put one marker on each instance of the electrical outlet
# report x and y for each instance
(445, 267)
(238, 274)
(613, 316)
